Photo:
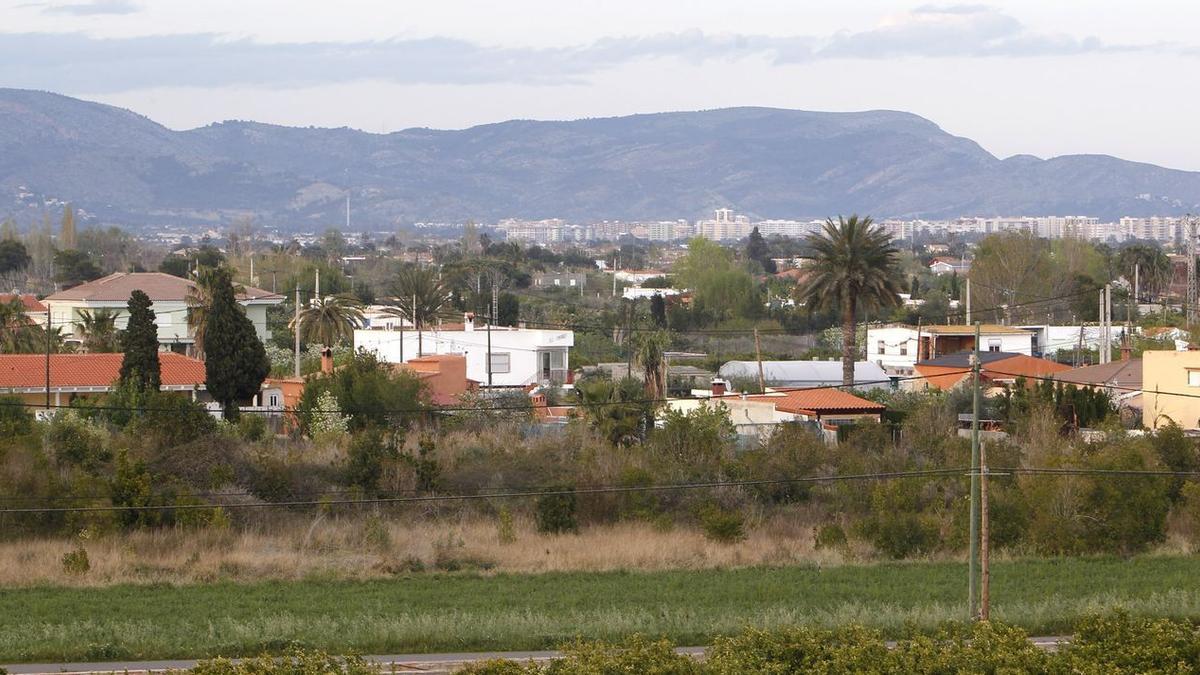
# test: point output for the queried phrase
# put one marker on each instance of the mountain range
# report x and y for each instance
(122, 167)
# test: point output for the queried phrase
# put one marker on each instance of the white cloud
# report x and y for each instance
(91, 8)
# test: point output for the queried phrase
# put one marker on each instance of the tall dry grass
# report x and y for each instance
(378, 546)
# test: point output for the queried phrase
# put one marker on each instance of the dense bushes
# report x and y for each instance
(1114, 644)
(369, 391)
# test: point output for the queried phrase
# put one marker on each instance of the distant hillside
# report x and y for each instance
(769, 163)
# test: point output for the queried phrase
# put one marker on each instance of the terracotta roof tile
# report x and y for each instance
(28, 301)
(117, 286)
(28, 371)
(818, 400)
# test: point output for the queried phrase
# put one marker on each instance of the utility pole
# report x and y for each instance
(984, 548)
(296, 329)
(317, 285)
(489, 352)
(48, 334)
(762, 382)
(968, 301)
(417, 325)
(1108, 323)
(1100, 327)
(973, 562)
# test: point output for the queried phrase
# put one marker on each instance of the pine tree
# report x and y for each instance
(140, 367)
(235, 361)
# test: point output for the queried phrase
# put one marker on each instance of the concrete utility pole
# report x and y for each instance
(968, 301)
(762, 382)
(1108, 323)
(48, 334)
(1189, 226)
(973, 562)
(985, 574)
(296, 329)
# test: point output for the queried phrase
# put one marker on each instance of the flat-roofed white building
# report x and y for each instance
(519, 356)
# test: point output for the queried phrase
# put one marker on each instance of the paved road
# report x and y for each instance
(430, 664)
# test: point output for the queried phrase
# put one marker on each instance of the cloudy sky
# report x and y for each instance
(1028, 76)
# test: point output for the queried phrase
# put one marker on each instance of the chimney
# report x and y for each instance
(469, 321)
(327, 360)
(1126, 348)
(718, 387)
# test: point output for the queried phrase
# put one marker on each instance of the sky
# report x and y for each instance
(1020, 77)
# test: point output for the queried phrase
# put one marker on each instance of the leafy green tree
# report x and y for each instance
(140, 366)
(236, 362)
(509, 309)
(759, 251)
(369, 391)
(98, 328)
(720, 288)
(614, 409)
(854, 267)
(658, 310)
(72, 267)
(331, 319)
(14, 258)
(180, 265)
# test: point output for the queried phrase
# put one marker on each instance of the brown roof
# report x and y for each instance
(1124, 374)
(28, 301)
(984, 329)
(89, 371)
(818, 400)
(117, 287)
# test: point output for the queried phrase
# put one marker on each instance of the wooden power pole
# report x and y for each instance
(973, 562)
(984, 548)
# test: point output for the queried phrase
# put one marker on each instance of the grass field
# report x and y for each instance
(428, 612)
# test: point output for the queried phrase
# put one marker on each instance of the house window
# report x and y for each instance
(558, 360)
(501, 362)
(880, 346)
(274, 400)
(993, 345)
(1194, 378)
(904, 348)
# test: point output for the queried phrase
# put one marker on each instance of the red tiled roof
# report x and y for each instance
(68, 371)
(28, 301)
(117, 286)
(818, 400)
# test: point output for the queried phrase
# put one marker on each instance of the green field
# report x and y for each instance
(457, 612)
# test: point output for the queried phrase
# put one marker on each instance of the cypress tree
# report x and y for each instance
(236, 362)
(139, 366)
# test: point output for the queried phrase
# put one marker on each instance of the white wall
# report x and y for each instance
(896, 339)
(170, 316)
(524, 348)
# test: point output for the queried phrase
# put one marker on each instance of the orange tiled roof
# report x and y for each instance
(28, 301)
(159, 286)
(80, 371)
(818, 400)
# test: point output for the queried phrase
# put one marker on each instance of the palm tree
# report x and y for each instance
(420, 295)
(18, 335)
(854, 267)
(328, 320)
(199, 299)
(649, 348)
(98, 329)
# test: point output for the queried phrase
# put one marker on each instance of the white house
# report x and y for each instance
(520, 356)
(637, 277)
(896, 347)
(944, 265)
(639, 293)
(1049, 340)
(167, 292)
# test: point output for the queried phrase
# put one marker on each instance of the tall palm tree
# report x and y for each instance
(649, 352)
(854, 267)
(420, 296)
(98, 329)
(330, 319)
(199, 299)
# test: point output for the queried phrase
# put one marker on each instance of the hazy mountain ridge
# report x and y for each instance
(769, 163)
